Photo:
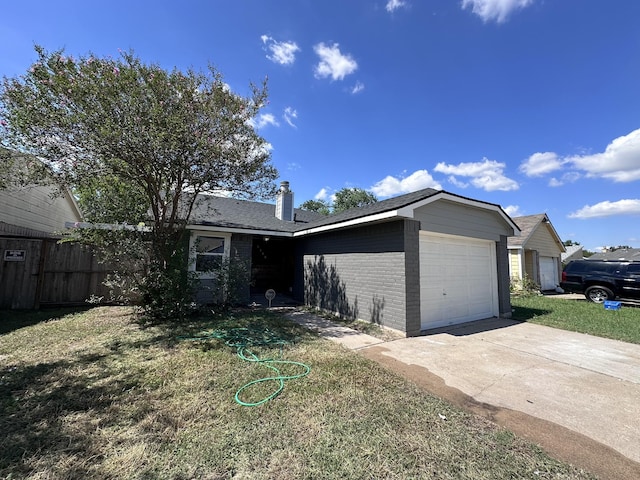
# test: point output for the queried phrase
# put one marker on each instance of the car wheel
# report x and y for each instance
(597, 294)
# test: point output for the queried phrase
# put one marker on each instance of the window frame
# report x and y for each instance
(193, 253)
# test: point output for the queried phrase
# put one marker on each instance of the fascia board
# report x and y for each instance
(74, 203)
(348, 223)
(555, 235)
(214, 228)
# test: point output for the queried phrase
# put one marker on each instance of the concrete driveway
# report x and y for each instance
(576, 395)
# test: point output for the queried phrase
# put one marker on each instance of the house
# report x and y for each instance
(537, 253)
(618, 254)
(414, 262)
(572, 252)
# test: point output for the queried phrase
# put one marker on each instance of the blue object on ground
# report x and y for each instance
(611, 305)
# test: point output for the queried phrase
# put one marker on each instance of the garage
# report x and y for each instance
(548, 273)
(458, 280)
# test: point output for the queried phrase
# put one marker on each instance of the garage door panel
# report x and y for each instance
(458, 280)
(548, 273)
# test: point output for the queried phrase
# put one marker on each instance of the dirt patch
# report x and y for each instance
(559, 442)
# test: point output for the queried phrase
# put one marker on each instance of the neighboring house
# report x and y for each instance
(418, 261)
(572, 252)
(33, 212)
(619, 254)
(537, 252)
(34, 269)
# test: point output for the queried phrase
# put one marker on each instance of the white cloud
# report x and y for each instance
(289, 115)
(540, 164)
(323, 194)
(554, 182)
(292, 166)
(488, 174)
(569, 177)
(333, 63)
(608, 209)
(619, 162)
(263, 120)
(393, 5)
(497, 10)
(418, 180)
(283, 53)
(454, 181)
(513, 210)
(357, 88)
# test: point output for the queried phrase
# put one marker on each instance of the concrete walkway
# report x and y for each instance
(586, 384)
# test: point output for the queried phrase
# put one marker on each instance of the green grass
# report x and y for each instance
(579, 316)
(93, 394)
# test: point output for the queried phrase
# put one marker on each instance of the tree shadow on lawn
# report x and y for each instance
(51, 415)
(16, 319)
(241, 326)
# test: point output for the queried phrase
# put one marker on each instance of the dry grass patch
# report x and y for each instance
(96, 395)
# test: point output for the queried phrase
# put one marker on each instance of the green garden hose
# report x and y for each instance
(241, 338)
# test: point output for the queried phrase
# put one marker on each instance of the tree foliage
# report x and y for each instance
(344, 199)
(137, 143)
(351, 198)
(319, 206)
(570, 243)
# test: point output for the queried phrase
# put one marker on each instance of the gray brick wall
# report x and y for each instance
(504, 294)
(412, 275)
(357, 273)
(241, 247)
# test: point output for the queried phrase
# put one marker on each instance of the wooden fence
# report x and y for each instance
(37, 272)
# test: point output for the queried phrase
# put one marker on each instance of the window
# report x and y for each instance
(634, 269)
(209, 252)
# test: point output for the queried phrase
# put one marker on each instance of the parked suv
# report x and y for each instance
(601, 280)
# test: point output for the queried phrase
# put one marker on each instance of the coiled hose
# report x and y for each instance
(241, 338)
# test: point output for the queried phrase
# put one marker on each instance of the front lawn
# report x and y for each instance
(95, 395)
(579, 316)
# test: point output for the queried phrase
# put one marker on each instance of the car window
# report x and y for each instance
(575, 267)
(633, 269)
(593, 267)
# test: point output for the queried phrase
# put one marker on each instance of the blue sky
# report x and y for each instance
(530, 104)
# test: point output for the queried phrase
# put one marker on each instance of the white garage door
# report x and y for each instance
(458, 280)
(548, 273)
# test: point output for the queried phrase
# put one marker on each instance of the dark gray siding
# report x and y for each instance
(358, 273)
(504, 295)
(464, 220)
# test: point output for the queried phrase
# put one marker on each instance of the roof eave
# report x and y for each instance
(249, 231)
(348, 223)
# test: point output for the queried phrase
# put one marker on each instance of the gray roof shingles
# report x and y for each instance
(244, 214)
(527, 224)
(631, 254)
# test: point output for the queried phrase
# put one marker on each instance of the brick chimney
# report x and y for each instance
(284, 203)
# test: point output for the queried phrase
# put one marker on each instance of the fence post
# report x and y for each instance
(44, 250)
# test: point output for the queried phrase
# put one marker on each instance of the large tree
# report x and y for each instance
(344, 199)
(122, 133)
(319, 206)
(347, 198)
